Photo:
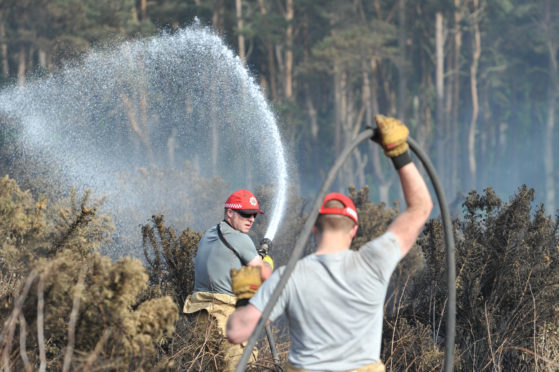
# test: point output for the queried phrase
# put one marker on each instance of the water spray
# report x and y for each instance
(126, 119)
(305, 233)
(281, 195)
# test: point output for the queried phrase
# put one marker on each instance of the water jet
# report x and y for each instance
(168, 124)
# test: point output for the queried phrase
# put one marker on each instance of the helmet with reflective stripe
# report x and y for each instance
(243, 201)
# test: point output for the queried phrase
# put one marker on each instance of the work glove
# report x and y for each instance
(392, 135)
(245, 283)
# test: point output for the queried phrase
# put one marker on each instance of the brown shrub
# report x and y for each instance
(84, 306)
(170, 259)
(507, 282)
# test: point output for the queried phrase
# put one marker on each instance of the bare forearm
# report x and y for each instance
(265, 268)
(406, 226)
(266, 271)
(416, 193)
(241, 323)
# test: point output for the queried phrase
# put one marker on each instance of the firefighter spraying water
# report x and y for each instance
(223, 248)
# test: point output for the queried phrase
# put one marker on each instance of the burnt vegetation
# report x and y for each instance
(65, 306)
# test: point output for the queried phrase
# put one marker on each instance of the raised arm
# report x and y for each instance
(407, 226)
(392, 135)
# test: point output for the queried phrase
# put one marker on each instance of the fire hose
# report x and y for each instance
(265, 245)
(305, 232)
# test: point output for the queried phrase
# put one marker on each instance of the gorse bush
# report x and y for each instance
(84, 308)
(64, 306)
(170, 258)
(507, 285)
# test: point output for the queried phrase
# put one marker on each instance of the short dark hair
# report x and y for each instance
(334, 222)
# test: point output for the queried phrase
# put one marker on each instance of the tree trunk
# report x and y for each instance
(143, 10)
(425, 115)
(401, 68)
(487, 144)
(550, 124)
(4, 50)
(21, 66)
(218, 16)
(270, 57)
(171, 148)
(454, 127)
(476, 45)
(367, 95)
(374, 87)
(240, 26)
(43, 59)
(137, 125)
(289, 12)
(30, 57)
(214, 123)
(439, 92)
(311, 111)
(338, 108)
(382, 182)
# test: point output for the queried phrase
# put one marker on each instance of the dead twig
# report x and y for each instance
(7, 335)
(98, 347)
(73, 319)
(489, 342)
(22, 343)
(41, 323)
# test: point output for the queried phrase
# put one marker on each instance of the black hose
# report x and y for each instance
(305, 233)
(273, 349)
(450, 265)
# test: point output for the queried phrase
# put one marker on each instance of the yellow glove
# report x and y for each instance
(393, 135)
(246, 281)
(269, 261)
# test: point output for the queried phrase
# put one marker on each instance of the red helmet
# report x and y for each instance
(349, 210)
(243, 201)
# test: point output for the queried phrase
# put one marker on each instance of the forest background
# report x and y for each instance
(476, 82)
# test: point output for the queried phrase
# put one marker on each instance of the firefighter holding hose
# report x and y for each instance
(223, 247)
(334, 298)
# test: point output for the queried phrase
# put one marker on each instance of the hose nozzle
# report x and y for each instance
(265, 245)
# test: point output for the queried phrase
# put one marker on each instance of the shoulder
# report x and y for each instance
(211, 231)
(240, 238)
(209, 235)
(235, 237)
(384, 246)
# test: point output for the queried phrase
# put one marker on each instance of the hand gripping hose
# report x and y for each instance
(304, 236)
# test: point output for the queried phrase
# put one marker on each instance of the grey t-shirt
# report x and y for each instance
(214, 260)
(334, 305)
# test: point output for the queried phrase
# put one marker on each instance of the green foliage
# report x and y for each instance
(354, 44)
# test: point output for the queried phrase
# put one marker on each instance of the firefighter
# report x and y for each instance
(334, 298)
(223, 247)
